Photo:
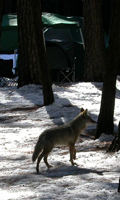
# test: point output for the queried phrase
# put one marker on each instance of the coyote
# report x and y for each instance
(65, 135)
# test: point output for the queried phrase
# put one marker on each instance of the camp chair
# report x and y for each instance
(6, 72)
(6, 68)
(59, 61)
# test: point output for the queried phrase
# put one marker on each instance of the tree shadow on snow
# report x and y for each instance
(62, 111)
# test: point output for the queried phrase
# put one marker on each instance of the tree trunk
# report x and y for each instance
(115, 146)
(1, 10)
(9, 6)
(105, 120)
(28, 62)
(94, 40)
(119, 185)
(44, 67)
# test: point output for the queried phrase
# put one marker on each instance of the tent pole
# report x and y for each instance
(44, 39)
(14, 65)
(82, 37)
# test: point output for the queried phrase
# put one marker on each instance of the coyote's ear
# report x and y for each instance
(82, 109)
(86, 112)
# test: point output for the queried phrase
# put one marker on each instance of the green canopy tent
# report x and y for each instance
(9, 35)
(58, 31)
(55, 21)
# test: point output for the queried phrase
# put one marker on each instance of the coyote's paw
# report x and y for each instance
(74, 163)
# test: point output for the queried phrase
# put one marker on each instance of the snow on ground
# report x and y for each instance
(23, 117)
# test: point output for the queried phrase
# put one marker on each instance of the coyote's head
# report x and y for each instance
(87, 118)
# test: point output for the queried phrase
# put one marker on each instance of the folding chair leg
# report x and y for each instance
(66, 77)
(73, 78)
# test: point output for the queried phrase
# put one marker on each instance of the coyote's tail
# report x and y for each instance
(37, 150)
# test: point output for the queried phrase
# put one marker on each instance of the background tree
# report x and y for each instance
(28, 62)
(107, 7)
(9, 6)
(105, 120)
(1, 11)
(44, 67)
(31, 49)
(94, 61)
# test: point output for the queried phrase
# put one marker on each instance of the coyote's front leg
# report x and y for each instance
(72, 153)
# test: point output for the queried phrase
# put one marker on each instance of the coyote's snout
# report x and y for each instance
(65, 135)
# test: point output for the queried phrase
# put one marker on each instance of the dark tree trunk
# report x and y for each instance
(105, 120)
(28, 62)
(44, 67)
(9, 6)
(107, 11)
(1, 11)
(94, 40)
(119, 185)
(115, 146)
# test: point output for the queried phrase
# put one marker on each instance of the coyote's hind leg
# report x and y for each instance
(45, 155)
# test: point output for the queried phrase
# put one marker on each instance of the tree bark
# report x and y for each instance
(115, 146)
(94, 41)
(28, 61)
(105, 120)
(32, 61)
(9, 6)
(44, 67)
(1, 10)
(119, 185)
